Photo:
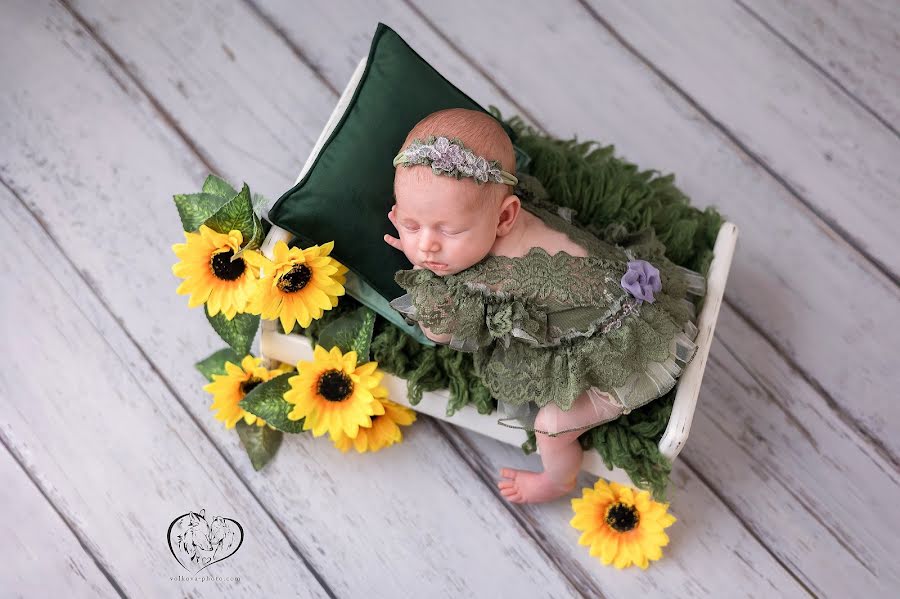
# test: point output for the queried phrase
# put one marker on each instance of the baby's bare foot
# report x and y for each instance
(523, 486)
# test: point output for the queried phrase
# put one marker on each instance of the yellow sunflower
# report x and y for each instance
(230, 388)
(298, 285)
(211, 276)
(333, 394)
(623, 526)
(384, 431)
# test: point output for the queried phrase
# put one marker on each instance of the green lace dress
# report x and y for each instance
(552, 329)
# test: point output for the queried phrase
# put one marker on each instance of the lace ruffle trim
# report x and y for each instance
(599, 406)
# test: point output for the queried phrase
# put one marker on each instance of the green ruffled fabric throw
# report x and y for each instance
(611, 198)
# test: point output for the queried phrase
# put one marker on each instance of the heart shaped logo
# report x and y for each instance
(197, 542)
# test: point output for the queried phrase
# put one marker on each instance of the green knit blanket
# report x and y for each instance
(603, 189)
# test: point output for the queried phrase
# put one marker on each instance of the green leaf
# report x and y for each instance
(215, 363)
(238, 214)
(256, 239)
(351, 332)
(260, 442)
(259, 202)
(219, 187)
(195, 208)
(266, 401)
(237, 332)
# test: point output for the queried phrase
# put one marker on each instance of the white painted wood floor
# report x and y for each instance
(785, 115)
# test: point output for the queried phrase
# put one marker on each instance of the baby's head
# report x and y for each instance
(448, 221)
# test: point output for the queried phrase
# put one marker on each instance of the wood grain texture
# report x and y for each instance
(816, 493)
(233, 89)
(706, 533)
(115, 452)
(85, 139)
(799, 126)
(856, 43)
(39, 551)
(389, 515)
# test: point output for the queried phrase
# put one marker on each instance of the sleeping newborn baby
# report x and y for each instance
(568, 330)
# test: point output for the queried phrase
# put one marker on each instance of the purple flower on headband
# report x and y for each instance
(467, 165)
(441, 145)
(641, 280)
(445, 156)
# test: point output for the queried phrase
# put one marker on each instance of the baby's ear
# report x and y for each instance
(509, 212)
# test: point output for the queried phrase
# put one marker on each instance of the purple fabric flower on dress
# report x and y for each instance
(642, 280)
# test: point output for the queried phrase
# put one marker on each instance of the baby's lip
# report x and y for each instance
(434, 265)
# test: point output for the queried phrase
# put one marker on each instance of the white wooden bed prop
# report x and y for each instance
(292, 348)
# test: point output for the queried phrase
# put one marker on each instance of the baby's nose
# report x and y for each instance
(427, 243)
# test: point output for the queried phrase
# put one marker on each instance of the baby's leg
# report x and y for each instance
(561, 455)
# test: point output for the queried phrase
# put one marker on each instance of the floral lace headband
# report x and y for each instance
(451, 158)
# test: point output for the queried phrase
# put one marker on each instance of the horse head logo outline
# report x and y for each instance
(197, 543)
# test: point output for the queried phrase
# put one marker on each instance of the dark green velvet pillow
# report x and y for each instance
(346, 194)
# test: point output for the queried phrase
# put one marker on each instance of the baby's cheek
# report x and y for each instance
(407, 244)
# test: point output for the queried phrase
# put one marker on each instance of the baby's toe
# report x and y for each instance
(508, 473)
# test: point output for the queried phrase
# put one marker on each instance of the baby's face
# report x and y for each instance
(443, 226)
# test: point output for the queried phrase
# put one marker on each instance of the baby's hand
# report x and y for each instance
(394, 242)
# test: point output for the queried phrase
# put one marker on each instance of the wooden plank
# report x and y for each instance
(440, 529)
(791, 273)
(120, 457)
(856, 43)
(813, 490)
(29, 527)
(773, 104)
(244, 128)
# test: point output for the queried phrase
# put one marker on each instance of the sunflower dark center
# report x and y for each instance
(295, 279)
(622, 517)
(224, 268)
(249, 385)
(335, 385)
